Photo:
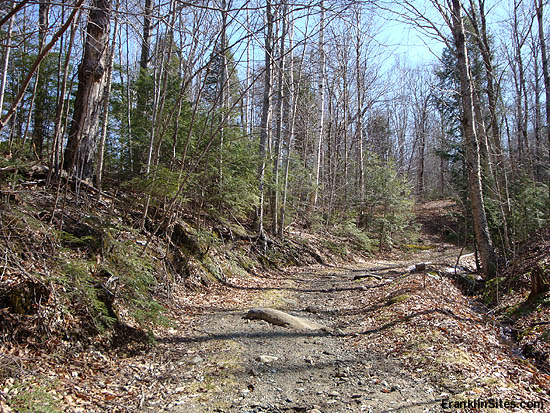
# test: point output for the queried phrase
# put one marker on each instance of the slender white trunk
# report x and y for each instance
(280, 119)
(319, 138)
(55, 159)
(359, 123)
(5, 64)
(481, 227)
(545, 73)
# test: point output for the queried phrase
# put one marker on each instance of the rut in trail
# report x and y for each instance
(252, 366)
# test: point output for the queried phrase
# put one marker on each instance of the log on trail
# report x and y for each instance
(283, 319)
(358, 277)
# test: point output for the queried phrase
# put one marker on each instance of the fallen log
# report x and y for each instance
(281, 318)
(361, 276)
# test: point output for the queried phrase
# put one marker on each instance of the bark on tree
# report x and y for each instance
(55, 159)
(105, 117)
(545, 73)
(495, 157)
(422, 99)
(522, 102)
(266, 114)
(40, 109)
(5, 64)
(540, 281)
(280, 119)
(83, 135)
(319, 136)
(146, 39)
(537, 150)
(481, 227)
(223, 86)
(359, 124)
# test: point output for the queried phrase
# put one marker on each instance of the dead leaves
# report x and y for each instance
(437, 333)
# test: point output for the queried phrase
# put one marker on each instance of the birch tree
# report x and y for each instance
(451, 11)
(266, 114)
(481, 226)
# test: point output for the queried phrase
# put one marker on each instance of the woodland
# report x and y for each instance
(153, 152)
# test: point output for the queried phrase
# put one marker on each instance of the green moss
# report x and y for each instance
(336, 248)
(86, 293)
(399, 298)
(418, 247)
(35, 399)
(213, 268)
(135, 273)
(126, 277)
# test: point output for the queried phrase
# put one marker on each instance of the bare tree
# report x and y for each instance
(451, 13)
(25, 83)
(5, 63)
(41, 85)
(481, 227)
(106, 101)
(322, 79)
(266, 114)
(83, 134)
(545, 72)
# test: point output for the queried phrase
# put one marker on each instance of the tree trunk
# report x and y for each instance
(492, 90)
(481, 227)
(266, 112)
(106, 99)
(5, 64)
(40, 110)
(319, 137)
(55, 159)
(359, 125)
(492, 132)
(545, 74)
(537, 149)
(280, 120)
(540, 281)
(146, 39)
(223, 89)
(83, 135)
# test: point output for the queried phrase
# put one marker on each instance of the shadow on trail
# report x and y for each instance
(243, 334)
(304, 290)
(284, 334)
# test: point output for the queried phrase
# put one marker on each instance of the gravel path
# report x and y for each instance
(252, 366)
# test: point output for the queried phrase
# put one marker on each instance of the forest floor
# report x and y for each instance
(405, 339)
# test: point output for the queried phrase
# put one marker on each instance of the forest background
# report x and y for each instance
(277, 116)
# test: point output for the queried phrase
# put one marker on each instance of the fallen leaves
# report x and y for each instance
(438, 333)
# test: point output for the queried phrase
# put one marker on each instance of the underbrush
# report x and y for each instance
(525, 315)
(88, 275)
(72, 279)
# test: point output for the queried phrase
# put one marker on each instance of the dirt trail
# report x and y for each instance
(401, 341)
(231, 364)
(252, 366)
